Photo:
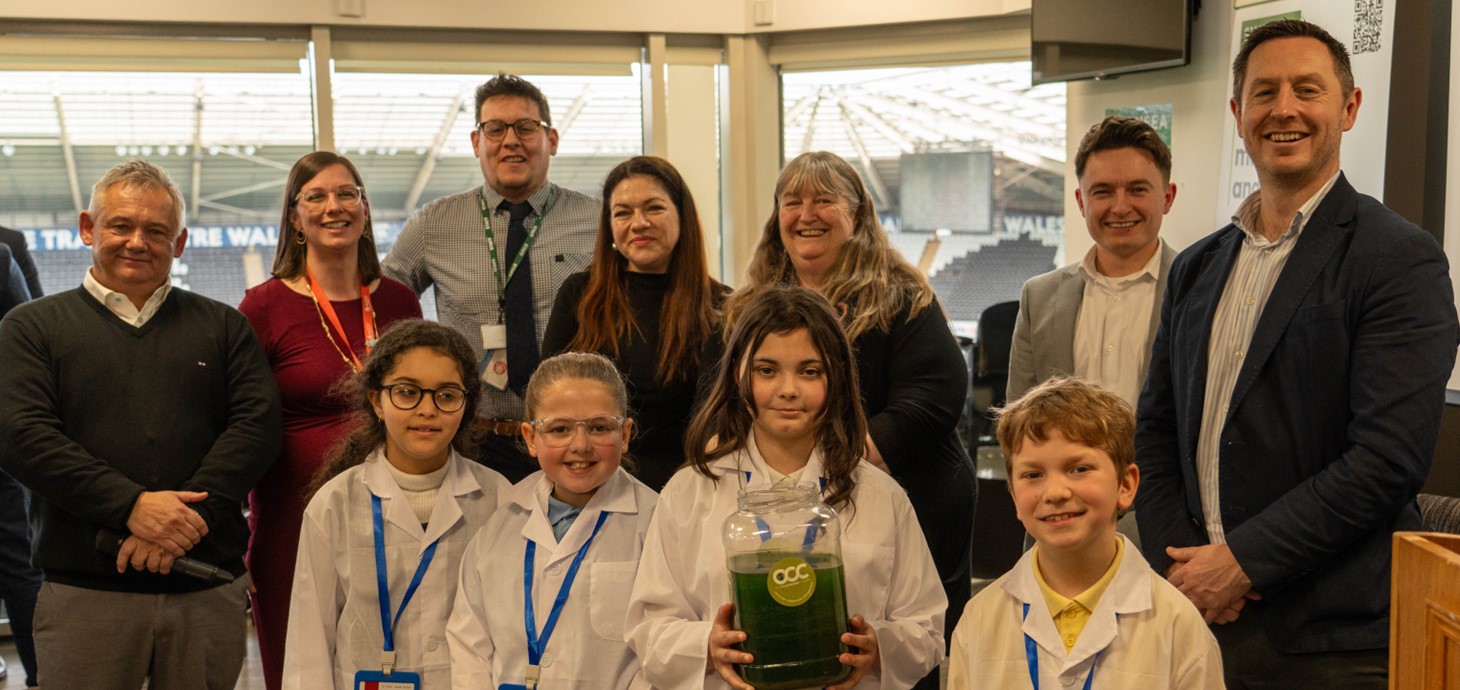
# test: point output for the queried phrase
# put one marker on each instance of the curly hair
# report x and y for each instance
(869, 276)
(725, 420)
(368, 429)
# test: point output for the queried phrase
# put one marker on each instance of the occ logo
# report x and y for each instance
(791, 582)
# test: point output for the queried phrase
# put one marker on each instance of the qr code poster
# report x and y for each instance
(1366, 28)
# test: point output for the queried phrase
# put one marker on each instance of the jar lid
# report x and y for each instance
(778, 497)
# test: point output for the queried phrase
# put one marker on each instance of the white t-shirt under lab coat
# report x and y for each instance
(334, 615)
(683, 579)
(487, 636)
(1146, 633)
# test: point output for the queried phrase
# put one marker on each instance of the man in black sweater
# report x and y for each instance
(136, 410)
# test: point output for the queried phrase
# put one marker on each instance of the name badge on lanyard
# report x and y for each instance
(387, 678)
(493, 364)
(537, 644)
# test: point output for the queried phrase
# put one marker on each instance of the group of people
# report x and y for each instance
(529, 493)
(376, 516)
(1288, 372)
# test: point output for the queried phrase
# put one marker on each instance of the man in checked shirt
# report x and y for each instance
(497, 254)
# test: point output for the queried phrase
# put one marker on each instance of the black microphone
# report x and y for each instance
(110, 543)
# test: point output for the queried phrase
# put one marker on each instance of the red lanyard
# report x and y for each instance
(367, 318)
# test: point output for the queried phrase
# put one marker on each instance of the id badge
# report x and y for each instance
(378, 680)
(494, 374)
(494, 336)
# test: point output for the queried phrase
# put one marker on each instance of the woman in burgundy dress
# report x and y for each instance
(316, 318)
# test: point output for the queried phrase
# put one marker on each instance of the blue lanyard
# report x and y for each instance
(535, 644)
(1031, 652)
(765, 529)
(386, 623)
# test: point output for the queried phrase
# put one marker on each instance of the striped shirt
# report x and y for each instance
(1253, 275)
(445, 245)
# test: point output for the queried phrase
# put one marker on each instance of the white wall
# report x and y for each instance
(798, 15)
(658, 16)
(1198, 97)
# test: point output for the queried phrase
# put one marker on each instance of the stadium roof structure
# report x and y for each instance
(229, 139)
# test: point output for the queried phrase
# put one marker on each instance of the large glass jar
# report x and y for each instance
(783, 549)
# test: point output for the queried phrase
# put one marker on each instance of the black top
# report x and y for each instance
(914, 381)
(98, 411)
(661, 411)
(16, 241)
(13, 291)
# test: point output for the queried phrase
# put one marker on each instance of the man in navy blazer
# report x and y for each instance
(1295, 389)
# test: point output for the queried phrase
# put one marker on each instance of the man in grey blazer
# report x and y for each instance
(1097, 318)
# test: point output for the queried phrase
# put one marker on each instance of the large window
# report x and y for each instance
(410, 134)
(227, 139)
(965, 165)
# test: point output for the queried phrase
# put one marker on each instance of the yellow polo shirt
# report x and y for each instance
(1071, 615)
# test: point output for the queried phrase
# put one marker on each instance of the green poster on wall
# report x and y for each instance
(1157, 116)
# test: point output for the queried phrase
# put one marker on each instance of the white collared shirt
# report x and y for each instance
(121, 305)
(1259, 263)
(1113, 331)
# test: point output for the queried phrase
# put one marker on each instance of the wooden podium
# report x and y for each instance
(1424, 615)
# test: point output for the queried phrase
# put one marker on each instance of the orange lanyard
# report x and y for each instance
(367, 319)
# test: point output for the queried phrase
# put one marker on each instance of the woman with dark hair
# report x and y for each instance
(824, 234)
(317, 318)
(648, 303)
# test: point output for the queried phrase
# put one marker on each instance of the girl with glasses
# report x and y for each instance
(316, 319)
(391, 515)
(545, 587)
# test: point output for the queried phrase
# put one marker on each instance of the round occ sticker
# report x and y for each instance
(791, 582)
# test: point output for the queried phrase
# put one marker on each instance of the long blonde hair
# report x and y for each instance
(871, 278)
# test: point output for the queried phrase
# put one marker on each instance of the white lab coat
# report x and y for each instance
(334, 615)
(486, 634)
(683, 579)
(1148, 635)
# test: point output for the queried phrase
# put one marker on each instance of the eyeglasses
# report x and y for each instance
(316, 199)
(494, 130)
(406, 396)
(556, 432)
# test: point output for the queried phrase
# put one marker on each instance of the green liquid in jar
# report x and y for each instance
(793, 647)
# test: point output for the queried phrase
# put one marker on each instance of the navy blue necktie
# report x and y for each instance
(522, 354)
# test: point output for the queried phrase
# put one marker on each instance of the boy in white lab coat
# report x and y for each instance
(1082, 609)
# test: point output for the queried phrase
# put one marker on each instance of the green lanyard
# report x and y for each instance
(521, 253)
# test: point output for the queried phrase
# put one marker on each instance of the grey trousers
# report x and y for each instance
(1250, 662)
(99, 640)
